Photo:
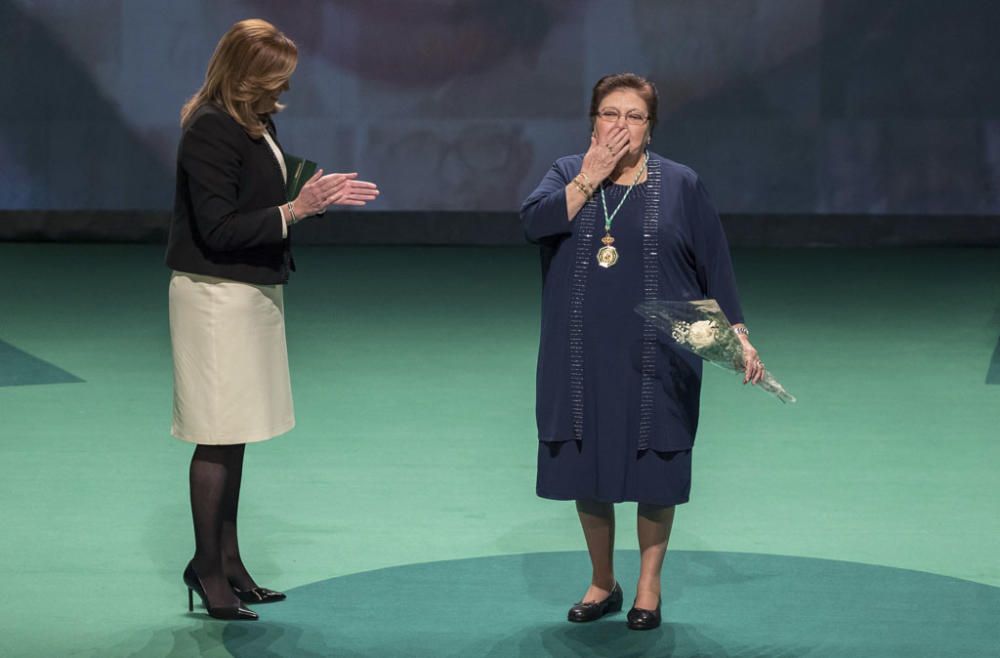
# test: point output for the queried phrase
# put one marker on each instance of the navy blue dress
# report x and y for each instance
(617, 405)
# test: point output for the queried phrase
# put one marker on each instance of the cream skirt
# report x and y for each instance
(231, 382)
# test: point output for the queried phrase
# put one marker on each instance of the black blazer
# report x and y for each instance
(226, 220)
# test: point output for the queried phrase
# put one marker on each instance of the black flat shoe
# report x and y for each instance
(644, 620)
(230, 613)
(583, 612)
(259, 595)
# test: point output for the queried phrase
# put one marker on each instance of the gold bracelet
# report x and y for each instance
(584, 188)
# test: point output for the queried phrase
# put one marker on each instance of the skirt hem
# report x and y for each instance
(206, 439)
(551, 496)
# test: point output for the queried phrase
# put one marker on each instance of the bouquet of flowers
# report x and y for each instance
(700, 327)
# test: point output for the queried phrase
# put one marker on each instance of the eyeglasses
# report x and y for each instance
(631, 118)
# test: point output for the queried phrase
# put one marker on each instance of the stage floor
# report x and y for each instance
(861, 521)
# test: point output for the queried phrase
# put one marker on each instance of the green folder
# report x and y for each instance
(300, 170)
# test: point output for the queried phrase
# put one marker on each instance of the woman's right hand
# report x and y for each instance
(602, 157)
(320, 192)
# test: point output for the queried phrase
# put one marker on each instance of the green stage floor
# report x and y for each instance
(413, 375)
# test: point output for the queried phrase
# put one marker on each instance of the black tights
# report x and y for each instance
(215, 475)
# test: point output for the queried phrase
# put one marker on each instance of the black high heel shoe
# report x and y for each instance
(644, 620)
(231, 613)
(584, 612)
(258, 595)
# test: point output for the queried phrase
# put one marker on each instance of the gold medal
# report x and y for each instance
(607, 255)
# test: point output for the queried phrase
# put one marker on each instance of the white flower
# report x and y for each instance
(702, 334)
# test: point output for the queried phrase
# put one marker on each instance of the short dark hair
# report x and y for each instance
(616, 81)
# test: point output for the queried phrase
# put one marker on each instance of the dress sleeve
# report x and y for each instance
(544, 213)
(211, 158)
(713, 263)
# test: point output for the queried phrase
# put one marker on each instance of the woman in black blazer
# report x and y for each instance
(229, 250)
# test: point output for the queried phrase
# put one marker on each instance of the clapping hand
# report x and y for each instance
(320, 192)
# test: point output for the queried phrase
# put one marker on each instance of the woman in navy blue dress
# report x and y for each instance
(617, 406)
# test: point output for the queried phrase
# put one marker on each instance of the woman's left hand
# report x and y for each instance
(352, 192)
(754, 368)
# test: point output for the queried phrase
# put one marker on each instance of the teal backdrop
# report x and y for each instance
(400, 513)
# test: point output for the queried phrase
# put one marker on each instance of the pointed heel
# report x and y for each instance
(230, 612)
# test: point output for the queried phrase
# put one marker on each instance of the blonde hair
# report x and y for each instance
(251, 60)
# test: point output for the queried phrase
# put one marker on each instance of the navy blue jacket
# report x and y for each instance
(672, 247)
